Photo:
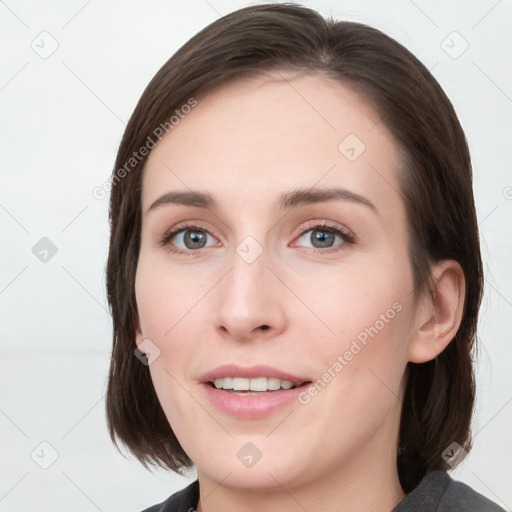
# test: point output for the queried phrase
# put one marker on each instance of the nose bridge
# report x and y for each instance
(247, 301)
(245, 284)
(249, 258)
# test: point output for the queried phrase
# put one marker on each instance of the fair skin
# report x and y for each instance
(246, 144)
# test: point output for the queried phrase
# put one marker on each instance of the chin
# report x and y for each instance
(264, 476)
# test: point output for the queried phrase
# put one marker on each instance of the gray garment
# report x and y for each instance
(437, 492)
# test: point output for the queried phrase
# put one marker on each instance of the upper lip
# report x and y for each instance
(250, 372)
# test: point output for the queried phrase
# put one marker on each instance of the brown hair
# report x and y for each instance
(436, 186)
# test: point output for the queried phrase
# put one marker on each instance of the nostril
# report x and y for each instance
(264, 327)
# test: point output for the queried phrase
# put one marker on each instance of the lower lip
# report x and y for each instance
(251, 406)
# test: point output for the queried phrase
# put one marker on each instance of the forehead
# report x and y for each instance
(257, 137)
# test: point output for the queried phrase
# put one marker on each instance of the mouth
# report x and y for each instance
(253, 392)
(255, 386)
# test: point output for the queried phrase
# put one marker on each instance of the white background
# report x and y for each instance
(62, 121)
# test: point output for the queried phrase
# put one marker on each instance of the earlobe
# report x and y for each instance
(439, 314)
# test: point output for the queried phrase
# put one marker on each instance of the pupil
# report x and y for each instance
(323, 237)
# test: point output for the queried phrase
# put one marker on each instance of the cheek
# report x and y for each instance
(363, 302)
(369, 312)
(168, 314)
(164, 298)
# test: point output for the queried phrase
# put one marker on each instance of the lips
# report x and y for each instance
(252, 372)
(251, 392)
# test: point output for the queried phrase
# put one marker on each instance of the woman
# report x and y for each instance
(294, 261)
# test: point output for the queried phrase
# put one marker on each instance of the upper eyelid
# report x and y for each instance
(190, 225)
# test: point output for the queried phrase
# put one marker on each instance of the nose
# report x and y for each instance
(250, 301)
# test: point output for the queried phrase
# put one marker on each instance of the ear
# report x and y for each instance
(439, 313)
(139, 338)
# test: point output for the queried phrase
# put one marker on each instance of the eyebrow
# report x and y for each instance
(291, 199)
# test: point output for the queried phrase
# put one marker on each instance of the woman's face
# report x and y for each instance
(296, 271)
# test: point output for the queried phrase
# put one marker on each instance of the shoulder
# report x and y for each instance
(460, 496)
(182, 501)
(438, 492)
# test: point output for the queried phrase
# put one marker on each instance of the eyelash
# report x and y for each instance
(347, 236)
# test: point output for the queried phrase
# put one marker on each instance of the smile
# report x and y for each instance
(251, 392)
(258, 384)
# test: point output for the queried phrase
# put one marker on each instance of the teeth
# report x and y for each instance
(257, 384)
(240, 384)
(273, 384)
(228, 383)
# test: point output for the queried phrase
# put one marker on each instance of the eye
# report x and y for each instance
(324, 235)
(189, 238)
(186, 239)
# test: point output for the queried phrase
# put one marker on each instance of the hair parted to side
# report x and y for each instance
(436, 186)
